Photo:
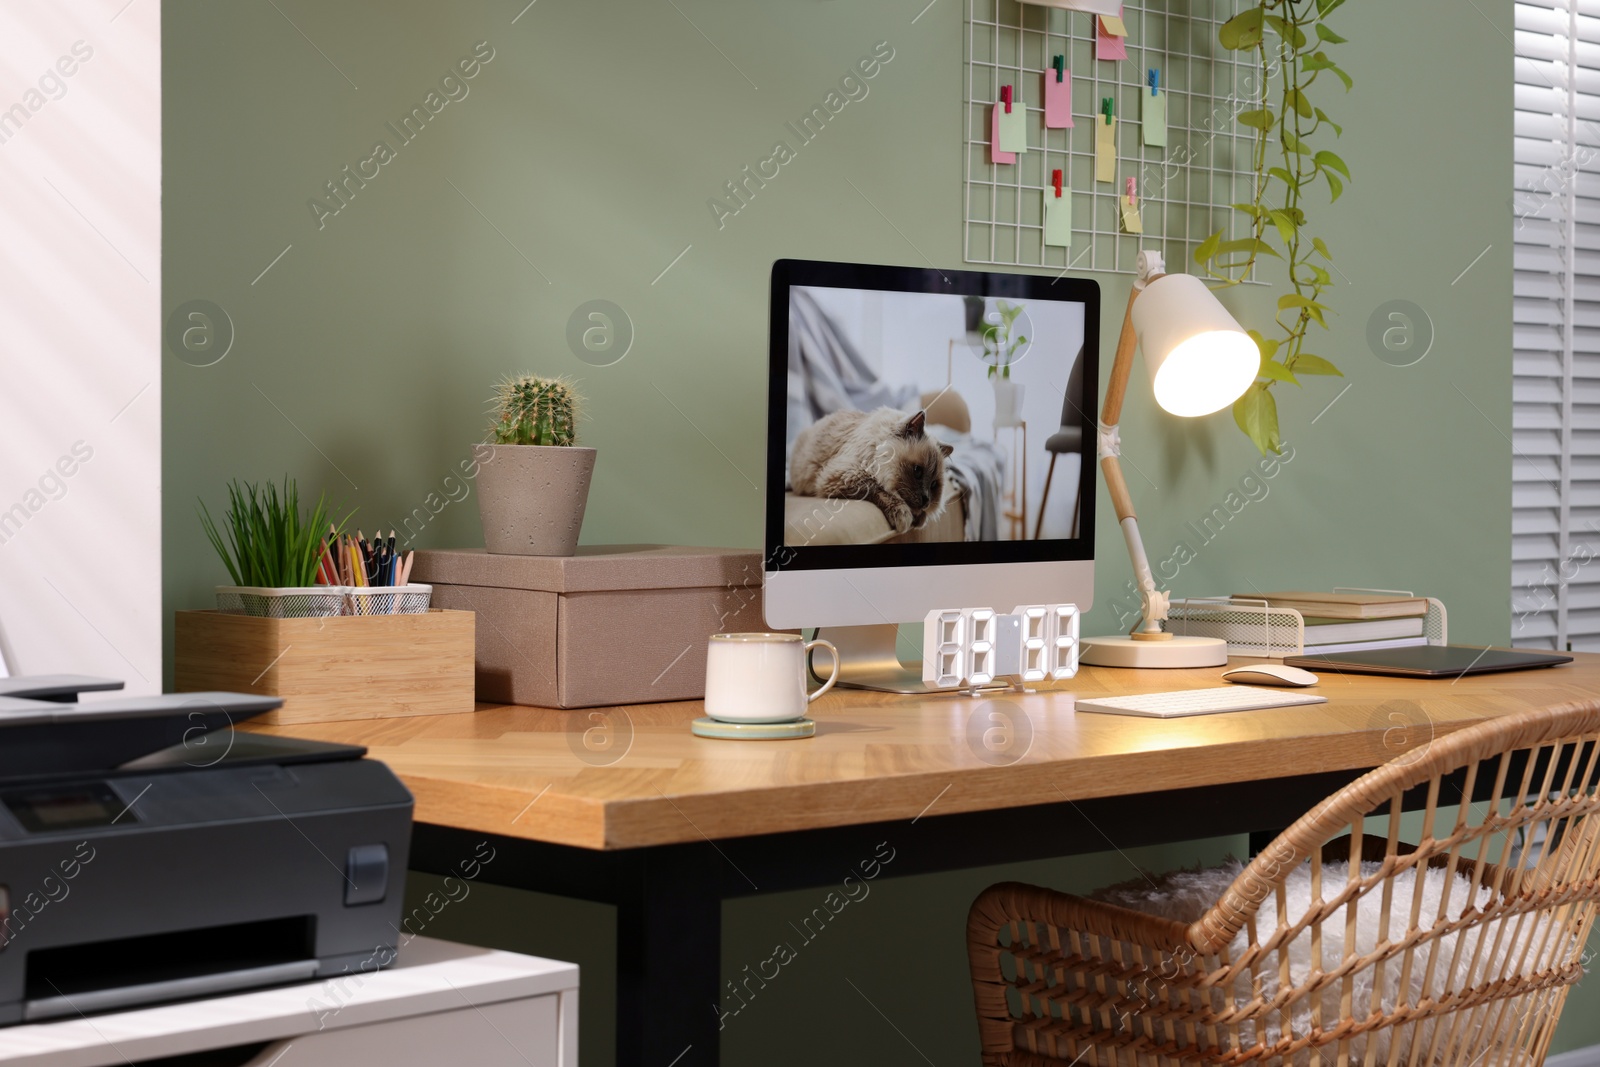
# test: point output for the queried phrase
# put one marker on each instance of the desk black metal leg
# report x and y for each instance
(669, 961)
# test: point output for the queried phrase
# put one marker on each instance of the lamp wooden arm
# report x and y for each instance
(1153, 606)
(1111, 411)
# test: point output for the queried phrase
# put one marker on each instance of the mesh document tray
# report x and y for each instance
(1254, 628)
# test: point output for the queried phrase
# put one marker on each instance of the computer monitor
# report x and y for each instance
(930, 444)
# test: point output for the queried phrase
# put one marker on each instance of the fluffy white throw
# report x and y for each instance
(1187, 895)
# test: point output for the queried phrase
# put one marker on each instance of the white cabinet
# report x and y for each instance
(441, 1003)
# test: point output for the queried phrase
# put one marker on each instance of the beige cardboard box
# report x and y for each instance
(614, 624)
(326, 670)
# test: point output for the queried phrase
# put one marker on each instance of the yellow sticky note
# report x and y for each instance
(1113, 25)
(1131, 221)
(1013, 127)
(1153, 117)
(1105, 149)
(1058, 217)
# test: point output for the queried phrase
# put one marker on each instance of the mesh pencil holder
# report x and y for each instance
(410, 599)
(318, 601)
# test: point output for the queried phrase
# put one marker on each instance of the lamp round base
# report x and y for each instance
(1123, 651)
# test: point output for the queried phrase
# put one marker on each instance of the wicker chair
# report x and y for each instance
(1480, 979)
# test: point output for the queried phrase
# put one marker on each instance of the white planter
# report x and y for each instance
(323, 601)
(1007, 403)
(310, 602)
(532, 498)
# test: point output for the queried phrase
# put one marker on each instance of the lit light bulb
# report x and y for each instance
(1199, 359)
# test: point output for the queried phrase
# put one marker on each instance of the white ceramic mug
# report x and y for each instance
(761, 677)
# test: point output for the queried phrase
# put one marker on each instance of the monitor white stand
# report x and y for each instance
(849, 606)
(869, 658)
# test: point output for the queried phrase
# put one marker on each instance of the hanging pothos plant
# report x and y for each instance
(1289, 38)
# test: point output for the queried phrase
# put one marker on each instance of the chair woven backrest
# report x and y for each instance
(1365, 934)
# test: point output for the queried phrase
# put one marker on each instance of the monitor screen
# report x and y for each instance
(922, 416)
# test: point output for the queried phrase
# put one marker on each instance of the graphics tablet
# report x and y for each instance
(1428, 661)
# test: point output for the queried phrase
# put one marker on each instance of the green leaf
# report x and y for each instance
(1316, 61)
(1306, 363)
(1296, 99)
(1335, 186)
(1322, 249)
(1285, 224)
(1293, 143)
(1312, 308)
(1271, 368)
(1257, 415)
(1324, 7)
(1268, 347)
(1287, 30)
(1328, 35)
(1282, 175)
(1247, 246)
(1328, 159)
(1253, 210)
(1343, 77)
(1338, 130)
(1323, 277)
(1208, 247)
(1258, 119)
(1241, 32)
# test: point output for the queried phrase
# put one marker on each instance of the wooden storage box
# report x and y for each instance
(350, 667)
(614, 624)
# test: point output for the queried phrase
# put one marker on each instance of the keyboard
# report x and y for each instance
(1200, 701)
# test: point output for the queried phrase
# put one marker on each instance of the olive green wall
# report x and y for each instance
(578, 168)
(588, 148)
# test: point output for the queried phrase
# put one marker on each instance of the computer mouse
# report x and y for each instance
(1269, 674)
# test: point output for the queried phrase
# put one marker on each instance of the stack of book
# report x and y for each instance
(1350, 622)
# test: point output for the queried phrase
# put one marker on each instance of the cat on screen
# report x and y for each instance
(885, 457)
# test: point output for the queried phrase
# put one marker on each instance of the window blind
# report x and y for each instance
(1555, 554)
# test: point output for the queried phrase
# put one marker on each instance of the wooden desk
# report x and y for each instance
(625, 806)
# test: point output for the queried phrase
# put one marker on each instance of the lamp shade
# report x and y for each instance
(1200, 359)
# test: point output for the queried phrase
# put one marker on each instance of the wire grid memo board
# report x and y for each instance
(1185, 189)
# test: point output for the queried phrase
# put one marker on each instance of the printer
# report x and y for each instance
(150, 851)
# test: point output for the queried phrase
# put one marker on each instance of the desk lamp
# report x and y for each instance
(1200, 361)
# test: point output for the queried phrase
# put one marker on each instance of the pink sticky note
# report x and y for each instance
(995, 155)
(1057, 99)
(1108, 45)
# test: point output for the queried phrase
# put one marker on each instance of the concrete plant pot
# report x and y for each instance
(531, 498)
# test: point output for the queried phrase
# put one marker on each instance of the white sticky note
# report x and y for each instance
(1058, 217)
(1153, 117)
(1013, 127)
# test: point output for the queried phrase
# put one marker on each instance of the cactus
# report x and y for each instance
(529, 410)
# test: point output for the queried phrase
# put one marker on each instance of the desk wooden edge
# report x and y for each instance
(615, 825)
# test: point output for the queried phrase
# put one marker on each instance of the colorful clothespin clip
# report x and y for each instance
(1005, 97)
(1133, 192)
(1108, 108)
(1153, 76)
(1060, 63)
(1055, 178)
